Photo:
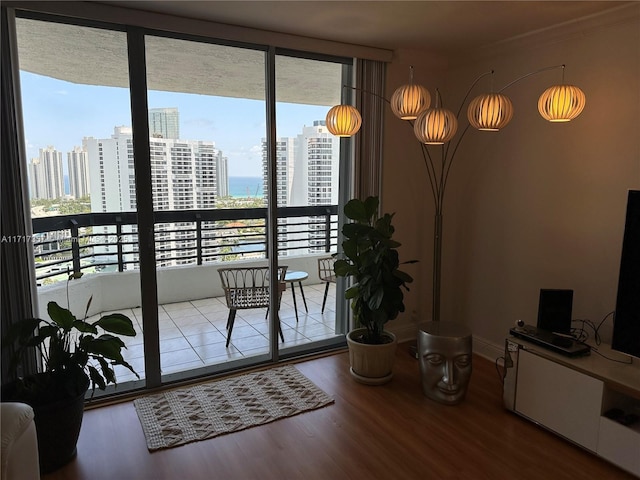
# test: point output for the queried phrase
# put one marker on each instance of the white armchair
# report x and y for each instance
(19, 455)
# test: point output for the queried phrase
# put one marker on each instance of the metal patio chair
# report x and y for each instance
(248, 287)
(326, 274)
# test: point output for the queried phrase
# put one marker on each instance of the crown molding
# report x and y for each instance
(627, 13)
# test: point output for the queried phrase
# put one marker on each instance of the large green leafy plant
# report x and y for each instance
(75, 353)
(371, 259)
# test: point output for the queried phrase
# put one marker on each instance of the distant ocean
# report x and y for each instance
(245, 186)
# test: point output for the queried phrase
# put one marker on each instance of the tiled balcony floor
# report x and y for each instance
(193, 334)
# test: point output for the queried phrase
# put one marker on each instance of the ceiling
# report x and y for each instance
(98, 57)
(442, 26)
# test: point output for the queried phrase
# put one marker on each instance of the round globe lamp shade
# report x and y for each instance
(490, 112)
(561, 103)
(343, 120)
(408, 101)
(435, 126)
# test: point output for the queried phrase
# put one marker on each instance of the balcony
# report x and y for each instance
(191, 245)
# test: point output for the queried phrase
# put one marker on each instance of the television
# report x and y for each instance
(626, 320)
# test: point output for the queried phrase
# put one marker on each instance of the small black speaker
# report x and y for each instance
(554, 310)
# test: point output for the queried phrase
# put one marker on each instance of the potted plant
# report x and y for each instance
(371, 260)
(76, 354)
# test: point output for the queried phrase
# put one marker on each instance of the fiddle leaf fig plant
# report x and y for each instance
(75, 353)
(371, 260)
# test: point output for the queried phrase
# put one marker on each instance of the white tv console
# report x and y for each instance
(570, 396)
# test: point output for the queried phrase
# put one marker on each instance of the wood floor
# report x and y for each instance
(385, 432)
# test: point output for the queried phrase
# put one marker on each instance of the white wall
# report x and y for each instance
(537, 205)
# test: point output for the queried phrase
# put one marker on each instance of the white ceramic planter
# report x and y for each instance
(371, 364)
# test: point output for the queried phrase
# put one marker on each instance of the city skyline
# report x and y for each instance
(60, 114)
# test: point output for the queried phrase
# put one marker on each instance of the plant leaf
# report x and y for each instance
(107, 371)
(109, 347)
(96, 378)
(352, 292)
(84, 327)
(342, 268)
(355, 210)
(117, 323)
(405, 277)
(61, 316)
(371, 207)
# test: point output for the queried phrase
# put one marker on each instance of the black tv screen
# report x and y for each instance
(626, 322)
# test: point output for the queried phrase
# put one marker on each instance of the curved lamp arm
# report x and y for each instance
(534, 73)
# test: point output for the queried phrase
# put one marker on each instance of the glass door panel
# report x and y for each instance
(206, 124)
(77, 124)
(308, 173)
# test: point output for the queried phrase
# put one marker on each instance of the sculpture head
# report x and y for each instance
(445, 365)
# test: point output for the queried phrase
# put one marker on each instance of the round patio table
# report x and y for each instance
(292, 277)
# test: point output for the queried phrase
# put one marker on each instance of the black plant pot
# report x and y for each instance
(58, 423)
(58, 428)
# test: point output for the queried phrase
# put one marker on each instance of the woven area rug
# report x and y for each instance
(207, 410)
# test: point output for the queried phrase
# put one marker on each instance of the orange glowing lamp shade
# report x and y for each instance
(490, 112)
(561, 103)
(435, 126)
(343, 120)
(408, 101)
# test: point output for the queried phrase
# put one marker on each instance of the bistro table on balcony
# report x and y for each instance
(292, 277)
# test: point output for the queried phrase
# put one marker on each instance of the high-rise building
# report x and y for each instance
(319, 152)
(184, 175)
(164, 123)
(222, 171)
(111, 171)
(285, 168)
(307, 168)
(46, 175)
(36, 179)
(78, 164)
(112, 180)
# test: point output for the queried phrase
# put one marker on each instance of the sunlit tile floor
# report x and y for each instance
(193, 334)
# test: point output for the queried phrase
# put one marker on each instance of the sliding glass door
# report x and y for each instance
(155, 161)
(206, 111)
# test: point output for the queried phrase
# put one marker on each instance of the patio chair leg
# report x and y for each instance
(280, 330)
(324, 300)
(230, 320)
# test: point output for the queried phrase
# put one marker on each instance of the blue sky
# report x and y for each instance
(61, 113)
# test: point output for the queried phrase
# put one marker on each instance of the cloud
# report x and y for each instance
(256, 150)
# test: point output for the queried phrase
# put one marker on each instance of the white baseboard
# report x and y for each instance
(487, 349)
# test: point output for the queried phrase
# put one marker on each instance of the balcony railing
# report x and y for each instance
(91, 242)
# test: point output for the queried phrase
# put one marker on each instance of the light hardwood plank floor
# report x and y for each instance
(384, 432)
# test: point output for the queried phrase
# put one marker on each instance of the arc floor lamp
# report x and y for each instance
(435, 127)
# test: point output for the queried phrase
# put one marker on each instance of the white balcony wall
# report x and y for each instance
(119, 290)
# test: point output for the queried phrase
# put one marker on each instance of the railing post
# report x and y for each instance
(327, 231)
(199, 238)
(75, 247)
(266, 237)
(119, 243)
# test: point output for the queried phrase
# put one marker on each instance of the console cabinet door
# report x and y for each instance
(559, 398)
